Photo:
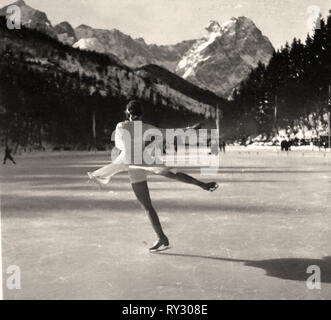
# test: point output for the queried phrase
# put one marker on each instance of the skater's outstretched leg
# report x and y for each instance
(141, 191)
(183, 177)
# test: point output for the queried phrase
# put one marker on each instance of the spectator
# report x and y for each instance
(8, 155)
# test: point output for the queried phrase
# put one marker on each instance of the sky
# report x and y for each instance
(171, 21)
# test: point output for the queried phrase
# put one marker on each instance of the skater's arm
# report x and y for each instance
(178, 132)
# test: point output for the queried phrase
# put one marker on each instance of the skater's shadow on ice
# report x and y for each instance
(283, 268)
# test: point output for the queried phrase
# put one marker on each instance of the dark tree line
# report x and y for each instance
(57, 109)
(53, 108)
(291, 91)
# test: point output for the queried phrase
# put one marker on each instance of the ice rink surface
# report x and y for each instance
(253, 238)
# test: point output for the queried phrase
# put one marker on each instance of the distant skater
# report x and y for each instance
(138, 174)
(285, 145)
(222, 146)
(8, 156)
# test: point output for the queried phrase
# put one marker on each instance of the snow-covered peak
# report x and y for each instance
(224, 57)
(90, 44)
(213, 26)
(197, 54)
(225, 26)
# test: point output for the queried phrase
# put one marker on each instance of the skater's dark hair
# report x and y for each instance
(134, 109)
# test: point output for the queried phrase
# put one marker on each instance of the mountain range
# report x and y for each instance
(218, 62)
(106, 74)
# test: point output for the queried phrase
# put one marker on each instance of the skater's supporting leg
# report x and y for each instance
(183, 177)
(11, 159)
(8, 157)
(142, 193)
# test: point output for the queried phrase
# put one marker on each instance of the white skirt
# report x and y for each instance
(104, 174)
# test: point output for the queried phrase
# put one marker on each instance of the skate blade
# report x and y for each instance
(162, 248)
(215, 188)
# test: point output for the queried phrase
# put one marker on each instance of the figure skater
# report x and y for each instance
(138, 174)
(8, 155)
